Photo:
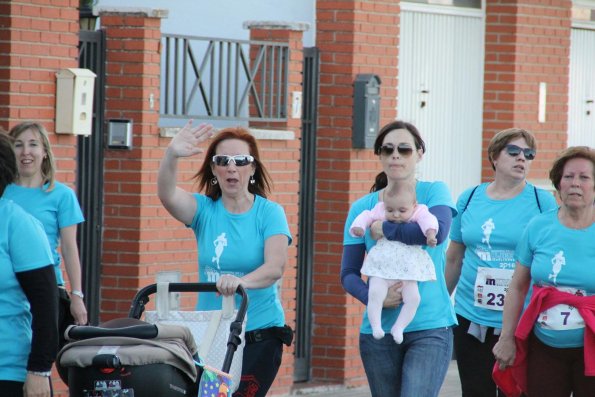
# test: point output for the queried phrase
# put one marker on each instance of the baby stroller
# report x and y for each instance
(133, 358)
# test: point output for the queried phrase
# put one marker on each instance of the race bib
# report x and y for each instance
(562, 317)
(491, 286)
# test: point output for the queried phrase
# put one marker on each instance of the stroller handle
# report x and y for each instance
(142, 297)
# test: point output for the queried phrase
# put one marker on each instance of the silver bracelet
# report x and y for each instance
(77, 293)
(45, 374)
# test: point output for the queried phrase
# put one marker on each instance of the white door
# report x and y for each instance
(581, 95)
(440, 89)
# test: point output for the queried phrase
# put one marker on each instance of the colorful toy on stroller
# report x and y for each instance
(162, 357)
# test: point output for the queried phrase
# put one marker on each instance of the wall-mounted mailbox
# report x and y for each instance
(119, 134)
(74, 101)
(366, 110)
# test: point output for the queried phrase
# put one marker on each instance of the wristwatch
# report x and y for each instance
(77, 293)
(45, 374)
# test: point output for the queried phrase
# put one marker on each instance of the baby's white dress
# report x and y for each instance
(395, 260)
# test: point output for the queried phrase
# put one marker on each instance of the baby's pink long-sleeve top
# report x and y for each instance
(421, 215)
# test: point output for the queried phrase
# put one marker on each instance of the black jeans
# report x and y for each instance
(475, 361)
(259, 367)
(9, 388)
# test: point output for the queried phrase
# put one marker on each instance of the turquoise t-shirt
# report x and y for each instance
(564, 258)
(435, 309)
(234, 244)
(23, 247)
(490, 230)
(55, 210)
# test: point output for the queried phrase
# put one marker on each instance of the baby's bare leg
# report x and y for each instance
(378, 288)
(411, 301)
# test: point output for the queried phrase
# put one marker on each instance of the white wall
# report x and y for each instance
(224, 18)
(441, 89)
(581, 94)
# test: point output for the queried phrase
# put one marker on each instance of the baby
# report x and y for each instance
(390, 261)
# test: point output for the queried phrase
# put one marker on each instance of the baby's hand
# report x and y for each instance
(431, 238)
(357, 231)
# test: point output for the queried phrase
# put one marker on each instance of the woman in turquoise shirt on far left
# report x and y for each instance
(28, 294)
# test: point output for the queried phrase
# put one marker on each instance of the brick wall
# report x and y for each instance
(527, 42)
(37, 39)
(136, 227)
(354, 37)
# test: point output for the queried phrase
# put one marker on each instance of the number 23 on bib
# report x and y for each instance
(491, 286)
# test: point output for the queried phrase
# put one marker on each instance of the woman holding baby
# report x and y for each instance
(416, 366)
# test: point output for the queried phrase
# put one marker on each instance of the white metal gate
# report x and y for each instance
(441, 89)
(581, 96)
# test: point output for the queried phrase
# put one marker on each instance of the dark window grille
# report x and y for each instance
(212, 78)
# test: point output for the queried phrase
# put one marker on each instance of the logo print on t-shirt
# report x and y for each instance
(487, 227)
(220, 243)
(557, 262)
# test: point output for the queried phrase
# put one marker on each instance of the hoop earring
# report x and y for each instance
(252, 180)
(214, 181)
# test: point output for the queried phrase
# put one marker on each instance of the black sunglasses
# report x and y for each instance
(514, 150)
(239, 160)
(403, 149)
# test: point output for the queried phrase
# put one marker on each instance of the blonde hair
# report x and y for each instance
(48, 165)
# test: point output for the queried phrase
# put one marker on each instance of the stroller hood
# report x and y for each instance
(174, 345)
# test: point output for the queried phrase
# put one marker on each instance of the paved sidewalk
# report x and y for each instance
(450, 388)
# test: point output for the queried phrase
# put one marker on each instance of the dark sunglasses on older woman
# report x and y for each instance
(514, 150)
(239, 160)
(403, 149)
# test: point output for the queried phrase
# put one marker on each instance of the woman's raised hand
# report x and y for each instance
(186, 142)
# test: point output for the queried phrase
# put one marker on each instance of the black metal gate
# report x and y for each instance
(303, 345)
(89, 180)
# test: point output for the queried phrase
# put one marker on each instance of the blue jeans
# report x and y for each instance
(416, 367)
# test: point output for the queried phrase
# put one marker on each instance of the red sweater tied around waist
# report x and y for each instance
(513, 380)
